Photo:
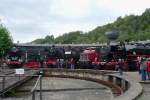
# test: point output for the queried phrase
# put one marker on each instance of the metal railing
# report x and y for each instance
(31, 95)
(7, 82)
(33, 90)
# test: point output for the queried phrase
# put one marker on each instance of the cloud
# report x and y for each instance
(70, 8)
(123, 7)
(31, 19)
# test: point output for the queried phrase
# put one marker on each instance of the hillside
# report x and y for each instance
(130, 27)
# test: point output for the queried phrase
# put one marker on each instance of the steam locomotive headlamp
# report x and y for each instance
(8, 60)
(20, 60)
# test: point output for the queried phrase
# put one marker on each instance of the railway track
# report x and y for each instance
(9, 80)
(6, 71)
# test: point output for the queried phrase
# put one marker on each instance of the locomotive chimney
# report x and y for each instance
(112, 35)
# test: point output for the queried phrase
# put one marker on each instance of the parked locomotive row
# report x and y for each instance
(104, 57)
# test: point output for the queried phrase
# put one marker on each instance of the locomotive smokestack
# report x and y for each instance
(112, 35)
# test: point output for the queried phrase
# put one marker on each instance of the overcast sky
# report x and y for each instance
(31, 19)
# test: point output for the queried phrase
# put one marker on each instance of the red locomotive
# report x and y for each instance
(104, 57)
(89, 58)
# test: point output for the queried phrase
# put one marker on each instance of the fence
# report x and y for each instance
(39, 81)
(10, 82)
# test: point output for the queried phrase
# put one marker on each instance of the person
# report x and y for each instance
(143, 69)
(61, 63)
(148, 68)
(67, 63)
(41, 61)
(58, 63)
(95, 63)
(72, 63)
(120, 66)
(138, 63)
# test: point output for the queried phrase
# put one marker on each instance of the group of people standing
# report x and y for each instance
(144, 68)
(68, 63)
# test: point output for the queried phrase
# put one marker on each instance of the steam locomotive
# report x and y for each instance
(133, 54)
(104, 57)
(56, 55)
(72, 55)
(14, 58)
(51, 57)
(32, 60)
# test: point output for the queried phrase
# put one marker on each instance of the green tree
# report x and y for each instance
(70, 37)
(49, 39)
(5, 40)
(131, 27)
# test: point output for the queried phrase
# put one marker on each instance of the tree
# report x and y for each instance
(49, 39)
(70, 37)
(5, 40)
(131, 27)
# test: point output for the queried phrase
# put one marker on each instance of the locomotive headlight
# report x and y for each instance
(20, 60)
(8, 60)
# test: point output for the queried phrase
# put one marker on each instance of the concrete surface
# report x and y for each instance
(145, 84)
(70, 89)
